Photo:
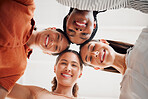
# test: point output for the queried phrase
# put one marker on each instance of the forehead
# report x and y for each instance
(84, 50)
(70, 56)
(88, 44)
(52, 31)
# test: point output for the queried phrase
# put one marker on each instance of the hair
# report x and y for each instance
(75, 87)
(94, 30)
(118, 46)
(59, 30)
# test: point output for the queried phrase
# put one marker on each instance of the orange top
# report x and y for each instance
(16, 26)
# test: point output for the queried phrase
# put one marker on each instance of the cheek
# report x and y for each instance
(69, 24)
(94, 62)
(76, 72)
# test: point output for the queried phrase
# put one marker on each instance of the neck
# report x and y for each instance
(32, 41)
(119, 63)
(64, 90)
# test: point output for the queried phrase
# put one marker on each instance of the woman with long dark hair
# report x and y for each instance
(68, 69)
(130, 61)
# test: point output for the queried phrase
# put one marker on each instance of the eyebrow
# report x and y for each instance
(88, 46)
(58, 36)
(59, 48)
(56, 48)
(61, 37)
(86, 58)
(74, 62)
(63, 60)
(83, 38)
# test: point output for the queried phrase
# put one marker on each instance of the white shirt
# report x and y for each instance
(101, 5)
(135, 80)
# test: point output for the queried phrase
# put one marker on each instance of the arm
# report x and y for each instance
(21, 92)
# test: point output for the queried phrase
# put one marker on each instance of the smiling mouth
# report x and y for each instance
(66, 75)
(80, 24)
(46, 40)
(103, 56)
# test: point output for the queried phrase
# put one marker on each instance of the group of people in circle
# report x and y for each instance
(79, 27)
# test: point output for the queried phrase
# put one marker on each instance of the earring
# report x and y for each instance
(51, 28)
(96, 68)
(80, 75)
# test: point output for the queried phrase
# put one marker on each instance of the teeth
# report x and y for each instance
(80, 24)
(102, 56)
(47, 40)
(66, 75)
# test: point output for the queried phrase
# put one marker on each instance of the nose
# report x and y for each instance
(95, 53)
(79, 29)
(68, 68)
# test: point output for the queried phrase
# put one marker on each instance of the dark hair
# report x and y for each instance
(118, 46)
(54, 81)
(59, 30)
(94, 30)
(74, 90)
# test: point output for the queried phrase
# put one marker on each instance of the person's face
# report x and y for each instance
(80, 25)
(98, 54)
(51, 41)
(68, 69)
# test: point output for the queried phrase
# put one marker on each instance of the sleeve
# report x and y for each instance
(95, 5)
(25, 2)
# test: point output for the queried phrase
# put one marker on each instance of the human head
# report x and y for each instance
(68, 69)
(52, 41)
(102, 53)
(80, 22)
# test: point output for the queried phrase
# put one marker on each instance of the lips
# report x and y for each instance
(65, 75)
(80, 23)
(102, 55)
(47, 40)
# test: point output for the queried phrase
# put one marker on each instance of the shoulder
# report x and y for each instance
(39, 93)
(95, 5)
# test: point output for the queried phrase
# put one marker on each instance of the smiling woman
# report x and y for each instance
(101, 54)
(80, 25)
(51, 41)
(68, 69)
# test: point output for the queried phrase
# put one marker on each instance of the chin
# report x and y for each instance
(66, 84)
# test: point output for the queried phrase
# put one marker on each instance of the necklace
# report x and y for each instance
(62, 95)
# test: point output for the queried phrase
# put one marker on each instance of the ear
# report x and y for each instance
(67, 18)
(80, 75)
(94, 24)
(54, 68)
(47, 53)
(104, 41)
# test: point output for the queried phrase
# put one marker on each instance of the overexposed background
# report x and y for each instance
(123, 24)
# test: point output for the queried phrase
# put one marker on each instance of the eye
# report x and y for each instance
(90, 58)
(63, 63)
(56, 47)
(71, 35)
(70, 30)
(93, 48)
(74, 65)
(84, 34)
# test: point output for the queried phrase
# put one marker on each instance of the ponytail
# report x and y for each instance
(74, 90)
